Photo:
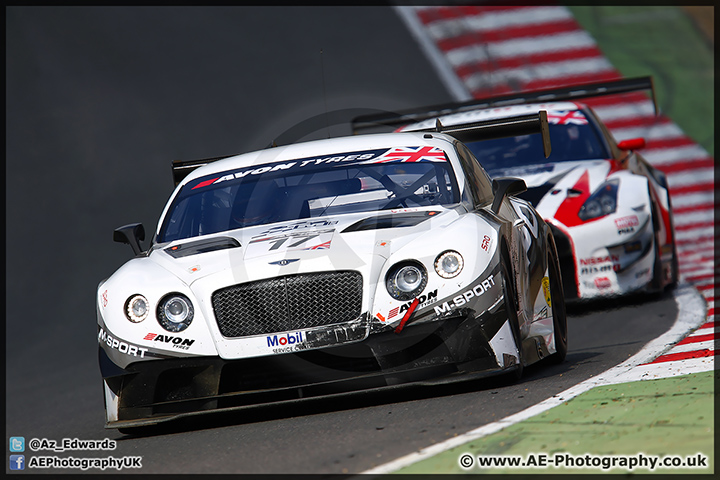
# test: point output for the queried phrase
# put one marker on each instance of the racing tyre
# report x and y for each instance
(511, 309)
(557, 304)
(675, 264)
(675, 269)
(656, 282)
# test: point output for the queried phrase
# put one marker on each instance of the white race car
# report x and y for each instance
(608, 208)
(327, 267)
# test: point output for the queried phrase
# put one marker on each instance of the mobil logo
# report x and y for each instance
(282, 340)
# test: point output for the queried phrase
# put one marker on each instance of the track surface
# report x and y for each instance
(99, 101)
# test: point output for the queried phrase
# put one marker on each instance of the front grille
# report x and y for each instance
(288, 303)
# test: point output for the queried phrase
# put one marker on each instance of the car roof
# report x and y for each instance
(324, 147)
(477, 115)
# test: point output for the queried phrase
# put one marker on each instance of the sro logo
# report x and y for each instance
(486, 243)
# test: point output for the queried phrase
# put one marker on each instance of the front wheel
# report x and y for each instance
(675, 265)
(557, 304)
(656, 283)
(512, 316)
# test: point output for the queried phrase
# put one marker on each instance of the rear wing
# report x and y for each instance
(390, 120)
(468, 132)
(499, 128)
(181, 168)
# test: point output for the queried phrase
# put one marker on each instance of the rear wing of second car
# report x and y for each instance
(391, 120)
(499, 128)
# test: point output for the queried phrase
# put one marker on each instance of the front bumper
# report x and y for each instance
(604, 262)
(150, 392)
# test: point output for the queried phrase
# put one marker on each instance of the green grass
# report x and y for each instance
(662, 42)
(671, 416)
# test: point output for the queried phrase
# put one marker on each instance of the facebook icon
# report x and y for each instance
(17, 462)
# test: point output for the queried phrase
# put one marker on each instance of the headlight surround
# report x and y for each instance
(602, 202)
(137, 308)
(406, 280)
(449, 264)
(175, 312)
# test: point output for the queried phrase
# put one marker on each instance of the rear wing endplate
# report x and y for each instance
(181, 168)
(376, 122)
(499, 128)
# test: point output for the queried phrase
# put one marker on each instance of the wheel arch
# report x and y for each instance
(506, 258)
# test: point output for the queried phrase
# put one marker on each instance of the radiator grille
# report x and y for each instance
(288, 303)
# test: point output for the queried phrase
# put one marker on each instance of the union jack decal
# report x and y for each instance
(411, 154)
(322, 246)
(566, 117)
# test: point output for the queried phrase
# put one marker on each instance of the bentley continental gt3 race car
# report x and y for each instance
(608, 208)
(326, 267)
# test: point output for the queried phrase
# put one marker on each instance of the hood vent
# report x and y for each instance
(391, 221)
(535, 194)
(201, 246)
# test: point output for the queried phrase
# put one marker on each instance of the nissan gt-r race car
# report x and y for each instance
(608, 208)
(327, 267)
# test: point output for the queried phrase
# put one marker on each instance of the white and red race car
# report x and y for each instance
(327, 267)
(609, 209)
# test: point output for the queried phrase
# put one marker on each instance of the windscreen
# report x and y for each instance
(572, 138)
(310, 188)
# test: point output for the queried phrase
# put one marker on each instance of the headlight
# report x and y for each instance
(136, 308)
(602, 202)
(175, 312)
(406, 280)
(449, 264)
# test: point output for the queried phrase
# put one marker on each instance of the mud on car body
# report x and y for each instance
(327, 267)
(609, 209)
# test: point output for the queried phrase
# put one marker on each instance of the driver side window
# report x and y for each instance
(478, 181)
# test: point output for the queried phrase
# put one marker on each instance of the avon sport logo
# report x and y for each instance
(289, 339)
(177, 342)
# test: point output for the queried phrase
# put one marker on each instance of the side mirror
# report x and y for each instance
(506, 186)
(632, 144)
(133, 234)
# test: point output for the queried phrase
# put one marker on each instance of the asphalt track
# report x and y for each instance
(99, 102)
